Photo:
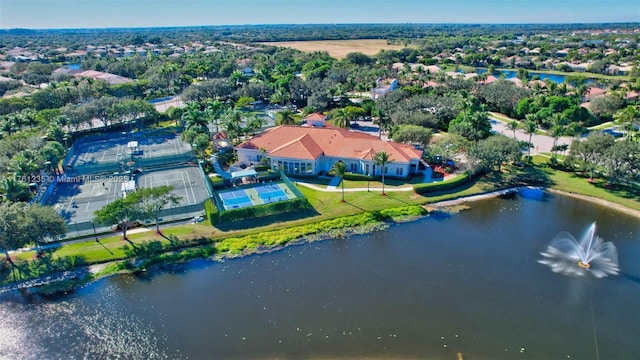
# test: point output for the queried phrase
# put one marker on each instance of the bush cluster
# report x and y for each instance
(212, 211)
(441, 186)
(264, 210)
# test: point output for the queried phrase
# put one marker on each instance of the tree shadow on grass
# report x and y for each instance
(267, 220)
(514, 176)
(620, 190)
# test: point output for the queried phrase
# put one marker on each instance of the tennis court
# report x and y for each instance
(187, 182)
(255, 195)
(271, 193)
(122, 152)
(235, 199)
(76, 199)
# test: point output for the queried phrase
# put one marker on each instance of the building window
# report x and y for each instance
(366, 169)
(354, 168)
(399, 171)
(386, 170)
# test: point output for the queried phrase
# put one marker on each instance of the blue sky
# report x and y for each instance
(39, 14)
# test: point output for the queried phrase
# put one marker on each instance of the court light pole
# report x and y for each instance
(94, 231)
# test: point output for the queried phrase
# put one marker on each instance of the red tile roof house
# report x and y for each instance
(301, 150)
(316, 119)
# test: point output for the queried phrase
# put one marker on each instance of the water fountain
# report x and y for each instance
(565, 255)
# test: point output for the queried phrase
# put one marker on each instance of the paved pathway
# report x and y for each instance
(541, 143)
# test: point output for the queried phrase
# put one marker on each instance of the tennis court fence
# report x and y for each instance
(86, 228)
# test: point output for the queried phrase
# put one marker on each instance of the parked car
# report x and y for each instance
(130, 225)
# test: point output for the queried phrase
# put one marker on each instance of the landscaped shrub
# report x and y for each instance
(444, 185)
(264, 210)
(359, 177)
(402, 212)
(211, 211)
(262, 167)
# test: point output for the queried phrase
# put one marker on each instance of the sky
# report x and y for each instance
(56, 14)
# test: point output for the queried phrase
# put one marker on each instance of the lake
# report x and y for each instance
(508, 74)
(468, 283)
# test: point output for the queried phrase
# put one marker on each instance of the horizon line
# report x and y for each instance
(324, 24)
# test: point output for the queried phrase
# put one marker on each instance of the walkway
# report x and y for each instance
(541, 143)
(330, 188)
(216, 166)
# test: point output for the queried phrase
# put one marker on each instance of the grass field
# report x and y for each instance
(339, 48)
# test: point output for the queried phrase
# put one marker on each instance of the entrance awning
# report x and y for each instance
(243, 173)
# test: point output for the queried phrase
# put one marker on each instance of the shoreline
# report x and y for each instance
(32, 286)
(594, 200)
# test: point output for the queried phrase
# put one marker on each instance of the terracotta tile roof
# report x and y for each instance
(221, 135)
(303, 147)
(595, 91)
(316, 116)
(311, 143)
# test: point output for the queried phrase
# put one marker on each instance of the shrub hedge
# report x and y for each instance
(264, 210)
(211, 211)
(444, 185)
(359, 177)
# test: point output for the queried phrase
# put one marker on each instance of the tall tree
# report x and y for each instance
(340, 169)
(44, 224)
(382, 158)
(194, 118)
(629, 119)
(153, 200)
(14, 190)
(412, 134)
(120, 212)
(621, 162)
(285, 117)
(529, 127)
(513, 126)
(340, 118)
(212, 111)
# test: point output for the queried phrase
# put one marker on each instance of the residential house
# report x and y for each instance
(593, 92)
(383, 87)
(298, 150)
(316, 119)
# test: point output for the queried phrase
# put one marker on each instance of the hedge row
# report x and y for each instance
(211, 211)
(359, 177)
(443, 185)
(264, 210)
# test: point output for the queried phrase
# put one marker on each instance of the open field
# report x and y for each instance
(339, 48)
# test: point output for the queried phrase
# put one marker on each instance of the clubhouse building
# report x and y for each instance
(302, 150)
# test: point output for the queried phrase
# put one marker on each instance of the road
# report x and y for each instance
(541, 143)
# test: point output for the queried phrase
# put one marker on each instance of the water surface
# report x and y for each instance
(468, 283)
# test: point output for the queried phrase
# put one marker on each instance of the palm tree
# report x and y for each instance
(232, 124)
(193, 117)
(341, 118)
(340, 168)
(285, 117)
(212, 112)
(382, 158)
(628, 118)
(56, 133)
(14, 189)
(28, 116)
(529, 127)
(513, 126)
